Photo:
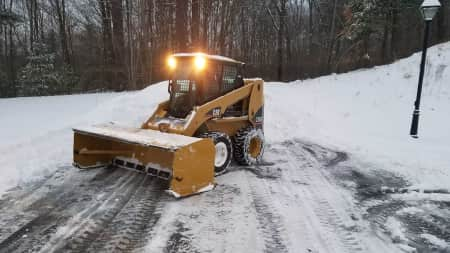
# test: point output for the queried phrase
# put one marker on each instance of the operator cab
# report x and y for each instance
(196, 79)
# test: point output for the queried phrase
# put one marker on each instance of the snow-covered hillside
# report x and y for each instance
(366, 113)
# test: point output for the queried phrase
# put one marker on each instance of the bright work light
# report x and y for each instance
(172, 62)
(200, 62)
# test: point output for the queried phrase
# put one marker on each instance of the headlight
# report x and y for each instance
(200, 62)
(172, 62)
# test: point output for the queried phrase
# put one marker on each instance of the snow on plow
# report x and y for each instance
(186, 162)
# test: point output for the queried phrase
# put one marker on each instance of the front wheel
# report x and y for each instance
(224, 150)
(249, 146)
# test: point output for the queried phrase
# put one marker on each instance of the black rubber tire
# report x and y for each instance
(218, 137)
(241, 145)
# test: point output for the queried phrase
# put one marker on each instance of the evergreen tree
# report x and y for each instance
(41, 77)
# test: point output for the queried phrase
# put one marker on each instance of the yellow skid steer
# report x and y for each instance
(213, 115)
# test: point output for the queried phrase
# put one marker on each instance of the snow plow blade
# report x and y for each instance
(186, 162)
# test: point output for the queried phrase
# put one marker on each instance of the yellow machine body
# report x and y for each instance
(164, 146)
(212, 115)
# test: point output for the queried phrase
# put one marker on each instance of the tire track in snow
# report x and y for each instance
(423, 219)
(222, 220)
(401, 212)
(294, 195)
(85, 227)
(306, 163)
(270, 223)
(130, 229)
(41, 217)
(385, 196)
(179, 242)
(13, 205)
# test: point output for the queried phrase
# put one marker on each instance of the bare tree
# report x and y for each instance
(122, 44)
(59, 10)
(181, 25)
(195, 25)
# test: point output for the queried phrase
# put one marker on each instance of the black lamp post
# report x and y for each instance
(429, 9)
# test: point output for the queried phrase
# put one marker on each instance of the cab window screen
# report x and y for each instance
(183, 85)
(229, 78)
(181, 88)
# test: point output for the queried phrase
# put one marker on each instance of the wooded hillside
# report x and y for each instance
(69, 46)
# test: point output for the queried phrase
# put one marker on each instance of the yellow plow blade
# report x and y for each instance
(187, 162)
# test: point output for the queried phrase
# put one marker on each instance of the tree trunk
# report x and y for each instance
(206, 12)
(119, 71)
(148, 45)
(181, 34)
(60, 8)
(195, 25)
(442, 23)
(311, 27)
(332, 37)
(244, 30)
(394, 30)
(108, 48)
(223, 29)
(33, 21)
(131, 61)
(385, 46)
(12, 75)
(282, 12)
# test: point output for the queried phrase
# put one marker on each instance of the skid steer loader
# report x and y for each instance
(212, 116)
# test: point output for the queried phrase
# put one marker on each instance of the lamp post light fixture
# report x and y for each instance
(429, 9)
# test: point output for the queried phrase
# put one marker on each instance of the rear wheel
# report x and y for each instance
(249, 146)
(224, 150)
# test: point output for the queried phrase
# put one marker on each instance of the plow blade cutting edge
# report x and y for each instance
(186, 162)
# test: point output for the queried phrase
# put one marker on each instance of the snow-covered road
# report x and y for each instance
(289, 204)
(303, 198)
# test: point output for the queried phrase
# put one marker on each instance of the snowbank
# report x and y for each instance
(366, 113)
(26, 118)
(36, 133)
